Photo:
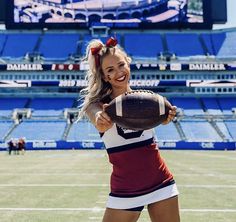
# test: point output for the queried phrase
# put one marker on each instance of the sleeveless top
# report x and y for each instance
(138, 168)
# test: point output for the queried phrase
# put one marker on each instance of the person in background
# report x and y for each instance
(11, 146)
(21, 145)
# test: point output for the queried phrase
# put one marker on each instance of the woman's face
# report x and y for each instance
(116, 71)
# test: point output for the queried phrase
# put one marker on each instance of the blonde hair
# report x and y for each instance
(97, 88)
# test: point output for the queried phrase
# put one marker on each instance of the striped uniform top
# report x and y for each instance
(138, 168)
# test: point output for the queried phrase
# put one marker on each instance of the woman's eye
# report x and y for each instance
(109, 70)
(122, 64)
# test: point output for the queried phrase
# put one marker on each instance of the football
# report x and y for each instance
(138, 110)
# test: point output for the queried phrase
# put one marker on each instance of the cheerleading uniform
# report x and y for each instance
(140, 176)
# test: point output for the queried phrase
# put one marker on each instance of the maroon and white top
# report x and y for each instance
(140, 176)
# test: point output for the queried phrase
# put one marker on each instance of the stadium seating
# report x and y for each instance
(4, 127)
(211, 106)
(51, 103)
(62, 46)
(50, 107)
(213, 42)
(15, 49)
(199, 130)
(167, 132)
(39, 130)
(144, 45)
(226, 104)
(231, 126)
(83, 131)
(41, 125)
(184, 44)
(207, 118)
(189, 105)
(5, 113)
(2, 41)
(221, 44)
(58, 46)
(226, 129)
(12, 103)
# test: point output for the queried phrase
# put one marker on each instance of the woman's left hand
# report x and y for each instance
(171, 116)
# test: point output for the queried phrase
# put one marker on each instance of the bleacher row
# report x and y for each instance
(63, 46)
(216, 120)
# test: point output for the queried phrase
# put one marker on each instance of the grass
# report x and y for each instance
(72, 186)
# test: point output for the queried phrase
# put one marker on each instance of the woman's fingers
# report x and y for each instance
(103, 121)
(171, 115)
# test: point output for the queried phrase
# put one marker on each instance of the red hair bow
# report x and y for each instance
(111, 42)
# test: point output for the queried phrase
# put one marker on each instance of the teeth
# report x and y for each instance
(121, 78)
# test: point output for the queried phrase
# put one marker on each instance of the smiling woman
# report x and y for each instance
(140, 176)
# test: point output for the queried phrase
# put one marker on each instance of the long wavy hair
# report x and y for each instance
(97, 88)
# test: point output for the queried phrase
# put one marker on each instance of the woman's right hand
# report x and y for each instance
(102, 121)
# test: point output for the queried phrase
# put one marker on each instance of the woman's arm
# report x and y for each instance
(99, 117)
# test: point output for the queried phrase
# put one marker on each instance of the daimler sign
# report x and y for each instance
(207, 67)
(24, 67)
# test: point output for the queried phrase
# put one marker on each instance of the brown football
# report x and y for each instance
(138, 110)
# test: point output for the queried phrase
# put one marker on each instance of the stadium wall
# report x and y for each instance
(66, 145)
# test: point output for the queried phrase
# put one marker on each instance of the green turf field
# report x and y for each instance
(72, 186)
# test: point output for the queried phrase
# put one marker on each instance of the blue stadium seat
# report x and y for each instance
(5, 114)
(199, 131)
(167, 132)
(224, 129)
(226, 104)
(228, 50)
(213, 42)
(2, 42)
(51, 103)
(231, 125)
(58, 46)
(4, 127)
(184, 44)
(47, 113)
(18, 45)
(211, 106)
(12, 103)
(143, 45)
(39, 130)
(191, 106)
(83, 131)
(221, 44)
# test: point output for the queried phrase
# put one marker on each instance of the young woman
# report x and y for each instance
(140, 177)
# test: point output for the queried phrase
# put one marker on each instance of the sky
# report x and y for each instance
(231, 14)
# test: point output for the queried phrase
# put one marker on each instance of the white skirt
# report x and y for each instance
(132, 202)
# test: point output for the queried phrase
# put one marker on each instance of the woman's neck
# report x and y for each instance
(117, 92)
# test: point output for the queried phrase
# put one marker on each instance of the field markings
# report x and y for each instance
(99, 209)
(54, 174)
(106, 185)
(102, 174)
(214, 156)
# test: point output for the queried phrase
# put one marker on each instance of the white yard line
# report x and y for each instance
(54, 174)
(98, 209)
(214, 156)
(106, 185)
(207, 186)
(54, 185)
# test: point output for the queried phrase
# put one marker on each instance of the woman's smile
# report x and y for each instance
(121, 79)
